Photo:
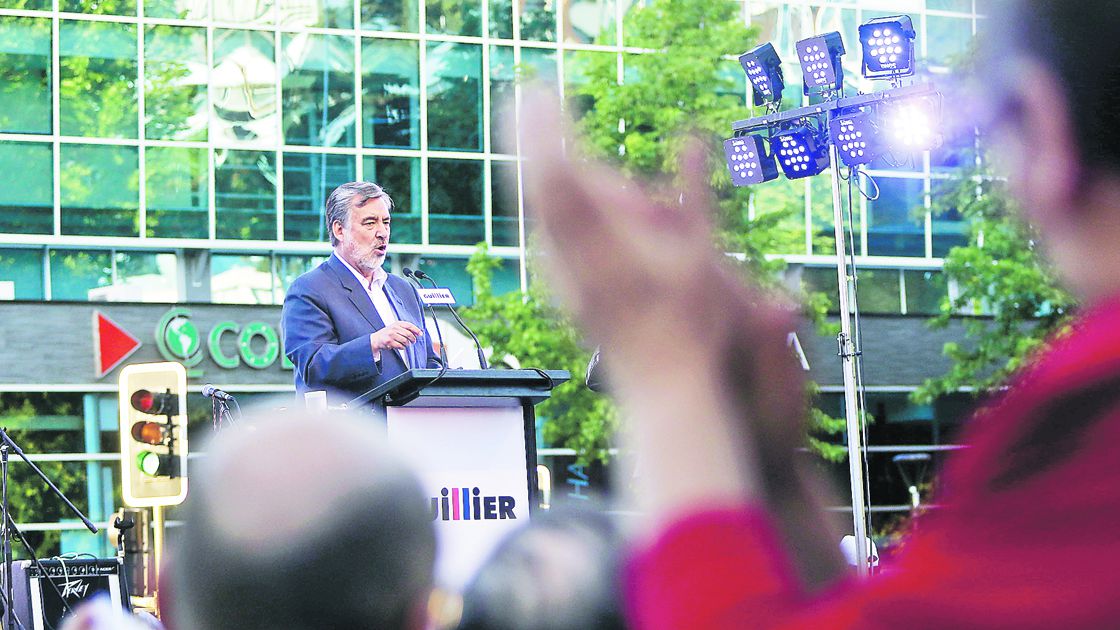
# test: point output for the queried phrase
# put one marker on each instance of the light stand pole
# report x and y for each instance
(850, 358)
(849, 354)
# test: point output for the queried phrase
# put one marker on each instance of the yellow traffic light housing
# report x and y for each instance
(153, 432)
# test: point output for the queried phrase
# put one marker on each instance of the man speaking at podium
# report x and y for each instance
(348, 325)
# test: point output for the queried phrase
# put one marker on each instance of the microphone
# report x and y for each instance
(411, 275)
(210, 391)
(477, 346)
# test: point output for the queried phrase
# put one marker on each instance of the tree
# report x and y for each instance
(999, 273)
(528, 327)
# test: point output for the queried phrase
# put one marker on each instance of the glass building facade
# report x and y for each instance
(145, 132)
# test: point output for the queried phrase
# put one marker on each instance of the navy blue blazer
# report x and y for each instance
(326, 323)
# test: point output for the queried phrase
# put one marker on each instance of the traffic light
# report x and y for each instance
(153, 434)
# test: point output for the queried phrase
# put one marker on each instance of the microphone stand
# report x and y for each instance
(9, 526)
(477, 346)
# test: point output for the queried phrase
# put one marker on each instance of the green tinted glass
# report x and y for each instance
(454, 80)
(391, 93)
(503, 209)
(245, 194)
(318, 90)
(400, 177)
(25, 75)
(175, 75)
(29, 207)
(21, 274)
(455, 202)
(100, 192)
(97, 72)
(308, 179)
(177, 192)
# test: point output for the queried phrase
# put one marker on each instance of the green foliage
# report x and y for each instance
(31, 500)
(999, 273)
(528, 327)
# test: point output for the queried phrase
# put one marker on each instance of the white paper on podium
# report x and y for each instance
(462, 450)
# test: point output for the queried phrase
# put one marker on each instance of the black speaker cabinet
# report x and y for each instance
(38, 606)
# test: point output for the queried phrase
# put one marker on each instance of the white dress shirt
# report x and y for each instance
(375, 289)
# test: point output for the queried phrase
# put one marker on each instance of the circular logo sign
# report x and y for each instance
(181, 337)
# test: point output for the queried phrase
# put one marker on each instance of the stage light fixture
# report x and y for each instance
(748, 162)
(911, 125)
(820, 62)
(888, 47)
(764, 69)
(856, 137)
(798, 152)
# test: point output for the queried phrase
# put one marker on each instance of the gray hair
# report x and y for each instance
(342, 199)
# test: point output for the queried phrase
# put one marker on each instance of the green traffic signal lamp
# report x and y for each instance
(154, 464)
(160, 404)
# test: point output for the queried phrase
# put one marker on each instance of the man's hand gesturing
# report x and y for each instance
(395, 336)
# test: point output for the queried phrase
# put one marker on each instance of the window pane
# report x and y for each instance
(74, 273)
(822, 214)
(400, 177)
(455, 202)
(949, 39)
(29, 5)
(877, 291)
(503, 209)
(140, 277)
(182, 9)
(391, 93)
(308, 180)
(245, 194)
(98, 74)
(100, 190)
(539, 65)
(291, 267)
(822, 280)
(963, 6)
(177, 192)
(924, 292)
(318, 90)
(21, 274)
(175, 76)
(949, 227)
(328, 14)
(25, 75)
(895, 220)
(589, 21)
(29, 207)
(104, 7)
(538, 20)
(502, 78)
(501, 19)
(454, 78)
(236, 279)
(454, 17)
(243, 88)
(452, 273)
(391, 15)
(248, 13)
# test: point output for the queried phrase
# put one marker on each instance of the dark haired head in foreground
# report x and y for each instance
(302, 524)
(559, 572)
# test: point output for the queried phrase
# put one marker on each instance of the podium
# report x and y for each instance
(471, 437)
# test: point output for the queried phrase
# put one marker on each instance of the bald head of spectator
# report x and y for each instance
(303, 523)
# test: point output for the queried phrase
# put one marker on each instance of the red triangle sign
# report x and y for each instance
(111, 344)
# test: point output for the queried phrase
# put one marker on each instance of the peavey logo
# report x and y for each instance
(75, 589)
(467, 504)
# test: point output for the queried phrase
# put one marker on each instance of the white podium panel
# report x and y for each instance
(472, 463)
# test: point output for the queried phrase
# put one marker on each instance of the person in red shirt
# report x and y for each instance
(1029, 532)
